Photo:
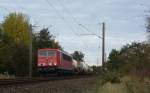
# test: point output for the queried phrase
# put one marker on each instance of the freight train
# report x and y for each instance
(60, 62)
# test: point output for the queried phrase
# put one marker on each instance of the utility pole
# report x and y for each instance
(101, 37)
(103, 44)
(30, 51)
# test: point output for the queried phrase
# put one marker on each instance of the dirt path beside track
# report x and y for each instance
(80, 85)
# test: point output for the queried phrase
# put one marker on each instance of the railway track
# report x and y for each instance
(23, 81)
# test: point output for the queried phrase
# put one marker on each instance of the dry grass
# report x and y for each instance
(112, 88)
(6, 76)
(128, 85)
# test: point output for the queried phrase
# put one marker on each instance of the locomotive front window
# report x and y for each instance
(46, 53)
(51, 53)
(42, 53)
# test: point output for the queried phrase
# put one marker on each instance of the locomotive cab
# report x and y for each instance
(54, 61)
(47, 60)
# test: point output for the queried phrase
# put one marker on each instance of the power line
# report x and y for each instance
(76, 22)
(73, 31)
(61, 17)
(67, 11)
(73, 18)
(89, 31)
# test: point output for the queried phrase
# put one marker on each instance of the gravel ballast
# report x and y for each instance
(80, 85)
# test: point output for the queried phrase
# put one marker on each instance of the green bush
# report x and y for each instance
(136, 86)
(112, 77)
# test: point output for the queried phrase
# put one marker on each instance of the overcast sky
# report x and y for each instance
(125, 22)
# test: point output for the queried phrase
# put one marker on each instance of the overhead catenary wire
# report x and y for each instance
(78, 24)
(61, 17)
(51, 5)
(55, 10)
(67, 11)
(73, 19)
(89, 31)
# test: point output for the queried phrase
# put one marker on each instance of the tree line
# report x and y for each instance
(131, 59)
(14, 44)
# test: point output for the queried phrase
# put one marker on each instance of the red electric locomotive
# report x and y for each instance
(54, 61)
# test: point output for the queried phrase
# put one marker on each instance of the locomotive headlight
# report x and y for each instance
(50, 64)
(55, 64)
(44, 64)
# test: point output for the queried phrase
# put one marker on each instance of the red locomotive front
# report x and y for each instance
(54, 60)
(48, 59)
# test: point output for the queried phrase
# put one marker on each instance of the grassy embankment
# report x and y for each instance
(6, 76)
(127, 84)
